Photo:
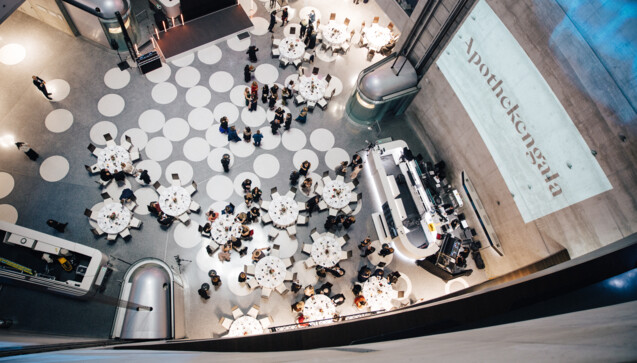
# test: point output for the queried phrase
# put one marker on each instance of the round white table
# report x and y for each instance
(113, 218)
(284, 211)
(245, 325)
(224, 228)
(312, 88)
(376, 36)
(319, 307)
(326, 251)
(270, 272)
(112, 157)
(378, 293)
(337, 194)
(174, 200)
(334, 34)
(291, 48)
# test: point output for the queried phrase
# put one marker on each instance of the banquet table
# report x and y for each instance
(224, 228)
(334, 34)
(291, 48)
(319, 307)
(376, 36)
(111, 157)
(284, 211)
(337, 194)
(174, 200)
(113, 218)
(245, 325)
(326, 251)
(270, 272)
(378, 293)
(312, 88)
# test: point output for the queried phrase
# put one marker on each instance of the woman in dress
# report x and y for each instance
(247, 134)
(302, 117)
(305, 168)
(265, 91)
(247, 95)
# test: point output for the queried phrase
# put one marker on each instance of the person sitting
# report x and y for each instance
(248, 199)
(308, 291)
(366, 247)
(127, 196)
(154, 209)
(461, 262)
(360, 301)
(119, 176)
(256, 194)
(236, 245)
(246, 233)
(338, 299)
(298, 306)
(301, 321)
(254, 214)
(320, 271)
(341, 169)
(211, 215)
(127, 168)
(246, 185)
(165, 220)
(386, 250)
(393, 277)
(224, 255)
(294, 177)
(330, 222)
(325, 289)
(379, 272)
(241, 218)
(336, 271)
(364, 273)
(465, 252)
(356, 160)
(296, 286)
(357, 289)
(105, 175)
(205, 229)
(258, 254)
(242, 277)
(143, 176)
(312, 204)
(306, 186)
(229, 209)
(302, 117)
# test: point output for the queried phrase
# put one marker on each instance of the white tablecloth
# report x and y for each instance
(291, 48)
(223, 228)
(334, 34)
(174, 200)
(118, 223)
(284, 211)
(326, 251)
(312, 88)
(112, 157)
(376, 36)
(337, 194)
(319, 307)
(270, 272)
(378, 293)
(245, 325)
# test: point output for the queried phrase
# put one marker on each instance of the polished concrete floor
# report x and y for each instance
(173, 139)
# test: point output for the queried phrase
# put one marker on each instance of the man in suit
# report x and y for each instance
(41, 85)
(272, 21)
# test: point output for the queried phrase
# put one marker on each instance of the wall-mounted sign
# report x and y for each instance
(543, 158)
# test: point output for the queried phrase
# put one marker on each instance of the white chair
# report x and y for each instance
(307, 248)
(274, 233)
(125, 233)
(249, 269)
(299, 100)
(276, 53)
(290, 193)
(315, 235)
(135, 223)
(275, 250)
(345, 255)
(266, 322)
(265, 293)
(322, 104)
(254, 311)
(340, 178)
(225, 323)
(112, 237)
(297, 63)
(326, 179)
(319, 189)
(93, 169)
(346, 209)
(341, 241)
(265, 218)
(345, 47)
(311, 105)
(213, 245)
(283, 63)
(333, 212)
(97, 231)
(330, 235)
(194, 207)
(301, 220)
(127, 143)
(281, 289)
(236, 312)
(265, 204)
(289, 276)
(309, 263)
(301, 206)
(134, 154)
(276, 42)
(322, 205)
(336, 48)
(353, 198)
(288, 261)
(184, 218)
(252, 282)
(291, 231)
(306, 57)
(192, 188)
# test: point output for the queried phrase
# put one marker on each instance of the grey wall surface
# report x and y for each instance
(576, 75)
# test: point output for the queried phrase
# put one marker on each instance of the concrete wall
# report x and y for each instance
(48, 12)
(575, 74)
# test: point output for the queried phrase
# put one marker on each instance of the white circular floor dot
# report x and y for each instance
(116, 78)
(209, 55)
(256, 182)
(159, 75)
(221, 81)
(287, 246)
(158, 148)
(219, 187)
(306, 276)
(59, 120)
(181, 168)
(187, 77)
(138, 137)
(6, 184)
(176, 129)
(111, 105)
(322, 139)
(294, 139)
(8, 213)
(152, 167)
(253, 118)
(236, 95)
(183, 61)
(335, 156)
(151, 120)
(214, 158)
(59, 89)
(269, 142)
(187, 236)
(115, 189)
(200, 118)
(266, 166)
(100, 129)
(198, 96)
(216, 138)
(260, 26)
(12, 54)
(196, 149)
(326, 55)
(228, 110)
(241, 148)
(266, 73)
(235, 287)
(144, 197)
(164, 93)
(305, 154)
(238, 45)
(336, 85)
(305, 13)
(54, 168)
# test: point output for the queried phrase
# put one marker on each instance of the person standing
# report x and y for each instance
(356, 160)
(253, 102)
(60, 227)
(272, 21)
(303, 28)
(26, 148)
(272, 100)
(312, 17)
(256, 194)
(252, 52)
(214, 278)
(257, 138)
(41, 85)
(349, 221)
(247, 96)
(223, 125)
(203, 291)
(247, 73)
(265, 91)
(143, 176)
(275, 125)
(285, 96)
(305, 168)
(312, 42)
(225, 162)
(284, 16)
(312, 204)
(357, 170)
(288, 122)
(247, 134)
(232, 134)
